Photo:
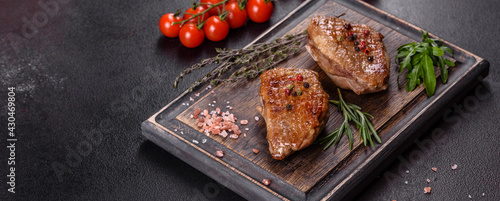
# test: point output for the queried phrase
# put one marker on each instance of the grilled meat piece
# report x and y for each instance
(295, 109)
(352, 55)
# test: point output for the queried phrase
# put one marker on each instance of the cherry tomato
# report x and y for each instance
(190, 12)
(237, 14)
(166, 26)
(260, 10)
(191, 36)
(216, 29)
(213, 11)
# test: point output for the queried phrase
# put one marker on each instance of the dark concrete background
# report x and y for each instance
(88, 73)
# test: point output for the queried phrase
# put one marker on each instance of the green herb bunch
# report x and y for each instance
(420, 58)
(253, 60)
(351, 112)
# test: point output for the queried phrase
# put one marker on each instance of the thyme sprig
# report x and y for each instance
(350, 112)
(253, 60)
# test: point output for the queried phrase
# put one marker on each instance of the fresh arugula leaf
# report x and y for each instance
(436, 51)
(419, 60)
(429, 76)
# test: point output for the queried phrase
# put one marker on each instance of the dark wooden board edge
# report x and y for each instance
(359, 174)
(213, 167)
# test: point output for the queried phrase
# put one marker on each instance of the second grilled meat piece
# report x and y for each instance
(352, 55)
(295, 109)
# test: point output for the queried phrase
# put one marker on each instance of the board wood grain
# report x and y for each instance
(311, 173)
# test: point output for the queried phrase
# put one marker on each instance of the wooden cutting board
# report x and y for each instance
(312, 173)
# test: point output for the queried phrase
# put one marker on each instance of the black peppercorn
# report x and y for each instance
(288, 107)
(370, 58)
(356, 43)
(306, 85)
(355, 36)
(351, 38)
(356, 48)
(294, 93)
(347, 26)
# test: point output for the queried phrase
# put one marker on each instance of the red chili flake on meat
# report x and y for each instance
(300, 78)
(363, 43)
(288, 92)
(366, 32)
(266, 182)
(219, 153)
(292, 79)
(350, 33)
(367, 51)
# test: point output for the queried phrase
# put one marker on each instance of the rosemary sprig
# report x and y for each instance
(254, 60)
(352, 113)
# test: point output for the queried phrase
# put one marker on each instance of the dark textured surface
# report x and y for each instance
(93, 71)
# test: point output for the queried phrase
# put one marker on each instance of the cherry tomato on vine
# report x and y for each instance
(191, 36)
(212, 11)
(260, 10)
(190, 12)
(216, 29)
(237, 14)
(166, 26)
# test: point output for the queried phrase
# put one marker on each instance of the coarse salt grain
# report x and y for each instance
(244, 122)
(427, 190)
(233, 136)
(435, 169)
(191, 99)
(428, 180)
(470, 197)
(219, 153)
(182, 132)
(266, 182)
(406, 182)
(255, 151)
(454, 167)
(204, 140)
(195, 141)
(256, 118)
(407, 171)
(247, 129)
(197, 94)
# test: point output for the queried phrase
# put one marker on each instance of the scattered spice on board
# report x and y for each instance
(435, 169)
(219, 153)
(255, 151)
(266, 182)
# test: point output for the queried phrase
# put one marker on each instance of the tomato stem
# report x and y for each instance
(177, 13)
(201, 13)
(242, 4)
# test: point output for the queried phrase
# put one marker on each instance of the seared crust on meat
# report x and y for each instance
(330, 44)
(295, 118)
